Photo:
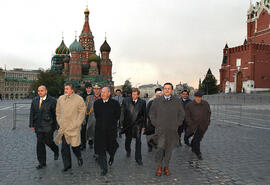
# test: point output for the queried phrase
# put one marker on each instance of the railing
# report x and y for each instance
(247, 99)
(224, 112)
(21, 112)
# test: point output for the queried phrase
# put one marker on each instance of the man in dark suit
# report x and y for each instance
(133, 121)
(183, 128)
(43, 121)
(107, 113)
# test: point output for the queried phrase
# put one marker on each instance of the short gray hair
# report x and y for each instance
(109, 90)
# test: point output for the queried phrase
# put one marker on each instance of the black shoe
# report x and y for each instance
(56, 155)
(199, 156)
(111, 160)
(128, 154)
(66, 169)
(40, 166)
(139, 162)
(80, 162)
(103, 172)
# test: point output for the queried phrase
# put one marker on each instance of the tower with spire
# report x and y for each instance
(80, 61)
(246, 68)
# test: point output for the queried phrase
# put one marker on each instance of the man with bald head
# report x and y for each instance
(107, 113)
(43, 121)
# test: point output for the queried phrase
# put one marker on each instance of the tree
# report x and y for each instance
(52, 80)
(127, 88)
(209, 85)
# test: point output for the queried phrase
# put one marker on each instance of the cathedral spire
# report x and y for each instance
(86, 27)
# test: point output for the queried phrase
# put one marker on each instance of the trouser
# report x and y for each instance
(102, 160)
(148, 137)
(83, 132)
(138, 154)
(66, 155)
(195, 143)
(45, 138)
(181, 129)
(164, 154)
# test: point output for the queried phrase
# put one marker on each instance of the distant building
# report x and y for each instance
(148, 90)
(246, 68)
(80, 63)
(16, 83)
(180, 87)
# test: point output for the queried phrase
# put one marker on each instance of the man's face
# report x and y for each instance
(105, 94)
(118, 93)
(97, 91)
(68, 90)
(184, 95)
(198, 99)
(135, 95)
(88, 90)
(42, 91)
(167, 90)
(159, 95)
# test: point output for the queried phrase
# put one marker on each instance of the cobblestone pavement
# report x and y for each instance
(233, 154)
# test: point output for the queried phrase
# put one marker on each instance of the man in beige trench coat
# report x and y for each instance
(70, 112)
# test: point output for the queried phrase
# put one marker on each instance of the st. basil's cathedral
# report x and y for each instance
(80, 64)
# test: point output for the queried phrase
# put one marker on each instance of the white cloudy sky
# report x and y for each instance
(151, 40)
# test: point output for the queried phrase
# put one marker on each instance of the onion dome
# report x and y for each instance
(86, 11)
(75, 47)
(62, 49)
(226, 46)
(105, 47)
(94, 57)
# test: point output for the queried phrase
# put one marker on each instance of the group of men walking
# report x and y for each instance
(96, 117)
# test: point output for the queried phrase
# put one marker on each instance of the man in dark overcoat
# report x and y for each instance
(166, 114)
(107, 113)
(133, 121)
(198, 114)
(43, 121)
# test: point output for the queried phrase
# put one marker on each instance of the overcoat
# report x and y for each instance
(91, 116)
(197, 116)
(166, 116)
(107, 115)
(70, 113)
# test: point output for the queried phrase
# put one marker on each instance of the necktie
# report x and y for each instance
(40, 104)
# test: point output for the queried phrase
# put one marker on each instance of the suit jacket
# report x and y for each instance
(43, 119)
(133, 115)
